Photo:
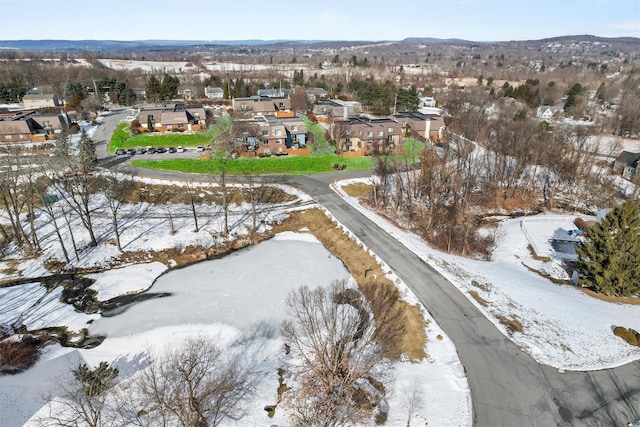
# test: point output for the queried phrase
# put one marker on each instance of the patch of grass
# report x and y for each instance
(611, 298)
(283, 165)
(483, 302)
(358, 190)
(629, 335)
(401, 325)
(381, 418)
(536, 257)
(548, 276)
(513, 325)
(321, 145)
(122, 138)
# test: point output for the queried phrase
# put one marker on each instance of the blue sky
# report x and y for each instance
(478, 20)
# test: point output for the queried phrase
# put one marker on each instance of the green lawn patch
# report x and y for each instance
(122, 138)
(283, 165)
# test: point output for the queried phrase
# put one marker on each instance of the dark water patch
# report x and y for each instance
(119, 305)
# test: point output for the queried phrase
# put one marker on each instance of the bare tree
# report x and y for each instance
(335, 362)
(412, 400)
(194, 385)
(84, 398)
(13, 199)
(117, 192)
(191, 192)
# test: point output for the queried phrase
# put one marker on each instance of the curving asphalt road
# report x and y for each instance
(508, 387)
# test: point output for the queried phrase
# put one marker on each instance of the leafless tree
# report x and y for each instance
(194, 385)
(13, 199)
(337, 367)
(117, 192)
(191, 192)
(412, 400)
(84, 399)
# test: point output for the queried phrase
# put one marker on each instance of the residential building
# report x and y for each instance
(627, 164)
(315, 94)
(270, 135)
(365, 135)
(549, 112)
(336, 109)
(173, 118)
(213, 92)
(428, 126)
(40, 100)
(263, 106)
(32, 126)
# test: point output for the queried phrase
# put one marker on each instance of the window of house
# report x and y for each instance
(347, 132)
(390, 130)
(381, 133)
(369, 134)
(278, 141)
(47, 124)
(294, 128)
(281, 105)
(265, 142)
(243, 107)
(265, 133)
(369, 142)
(22, 136)
(278, 132)
(7, 137)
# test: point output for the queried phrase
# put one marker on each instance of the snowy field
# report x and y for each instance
(229, 302)
(562, 326)
(236, 300)
(149, 66)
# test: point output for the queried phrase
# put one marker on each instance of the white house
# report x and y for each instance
(213, 92)
(549, 112)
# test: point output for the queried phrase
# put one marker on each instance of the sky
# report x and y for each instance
(368, 20)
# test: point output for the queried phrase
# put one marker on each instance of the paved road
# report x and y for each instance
(508, 387)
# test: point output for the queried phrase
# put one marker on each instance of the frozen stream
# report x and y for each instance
(240, 289)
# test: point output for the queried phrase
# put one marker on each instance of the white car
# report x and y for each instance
(200, 148)
(180, 149)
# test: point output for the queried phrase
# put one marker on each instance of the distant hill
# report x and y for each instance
(133, 45)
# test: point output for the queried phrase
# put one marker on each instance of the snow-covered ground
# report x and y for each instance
(149, 66)
(228, 301)
(224, 299)
(562, 326)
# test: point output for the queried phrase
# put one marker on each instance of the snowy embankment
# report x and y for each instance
(562, 326)
(225, 299)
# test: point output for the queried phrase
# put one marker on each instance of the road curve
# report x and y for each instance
(508, 387)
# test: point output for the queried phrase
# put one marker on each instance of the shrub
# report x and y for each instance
(17, 356)
(629, 335)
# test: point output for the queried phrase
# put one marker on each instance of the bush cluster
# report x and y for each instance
(629, 335)
(17, 356)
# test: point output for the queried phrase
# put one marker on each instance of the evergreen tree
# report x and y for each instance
(87, 152)
(169, 87)
(152, 91)
(609, 259)
(95, 382)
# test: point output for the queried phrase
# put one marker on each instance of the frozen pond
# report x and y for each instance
(241, 289)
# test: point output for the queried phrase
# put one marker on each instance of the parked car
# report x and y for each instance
(200, 148)
(131, 151)
(171, 150)
(181, 149)
(151, 150)
(121, 152)
(161, 150)
(140, 151)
